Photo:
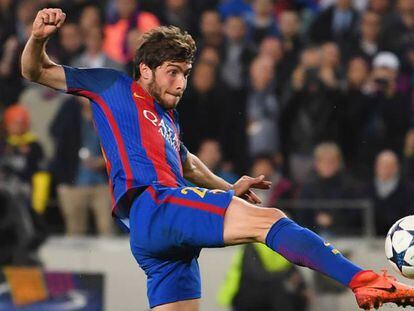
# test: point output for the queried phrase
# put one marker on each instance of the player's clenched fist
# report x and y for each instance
(46, 23)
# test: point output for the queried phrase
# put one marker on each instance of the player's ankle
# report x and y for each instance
(362, 278)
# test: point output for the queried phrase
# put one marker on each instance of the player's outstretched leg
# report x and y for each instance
(245, 223)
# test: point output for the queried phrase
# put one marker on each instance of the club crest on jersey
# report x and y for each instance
(169, 135)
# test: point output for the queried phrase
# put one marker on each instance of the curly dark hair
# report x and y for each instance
(161, 44)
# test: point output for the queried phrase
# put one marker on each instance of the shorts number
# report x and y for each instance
(199, 191)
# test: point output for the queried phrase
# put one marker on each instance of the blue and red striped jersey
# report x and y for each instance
(140, 139)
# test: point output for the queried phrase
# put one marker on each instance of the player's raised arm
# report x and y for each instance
(36, 65)
(198, 173)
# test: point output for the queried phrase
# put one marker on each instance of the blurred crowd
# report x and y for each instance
(317, 95)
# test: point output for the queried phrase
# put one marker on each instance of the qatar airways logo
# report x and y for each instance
(169, 135)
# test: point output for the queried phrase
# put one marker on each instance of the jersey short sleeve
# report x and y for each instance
(89, 81)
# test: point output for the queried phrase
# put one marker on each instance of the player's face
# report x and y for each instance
(169, 82)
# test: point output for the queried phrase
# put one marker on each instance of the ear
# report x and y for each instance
(146, 72)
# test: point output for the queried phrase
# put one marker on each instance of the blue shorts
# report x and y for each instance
(168, 228)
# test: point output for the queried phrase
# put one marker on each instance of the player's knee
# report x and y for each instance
(245, 222)
(271, 216)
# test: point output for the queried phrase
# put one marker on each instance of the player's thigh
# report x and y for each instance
(187, 305)
(164, 219)
(245, 222)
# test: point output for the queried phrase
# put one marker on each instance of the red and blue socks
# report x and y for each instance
(305, 248)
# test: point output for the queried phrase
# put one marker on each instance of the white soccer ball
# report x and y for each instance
(399, 246)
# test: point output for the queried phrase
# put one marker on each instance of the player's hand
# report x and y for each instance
(242, 188)
(47, 22)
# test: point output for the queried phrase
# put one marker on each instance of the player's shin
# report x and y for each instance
(305, 248)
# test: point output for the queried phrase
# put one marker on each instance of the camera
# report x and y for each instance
(312, 81)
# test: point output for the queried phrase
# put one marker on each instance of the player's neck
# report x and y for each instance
(144, 86)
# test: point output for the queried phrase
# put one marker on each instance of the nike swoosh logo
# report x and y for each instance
(138, 96)
(391, 289)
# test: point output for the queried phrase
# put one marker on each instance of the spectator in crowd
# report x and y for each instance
(179, 13)
(391, 113)
(10, 83)
(94, 56)
(397, 30)
(262, 109)
(210, 30)
(23, 186)
(298, 163)
(272, 47)
(26, 11)
(22, 152)
(329, 182)
(200, 107)
(366, 44)
(330, 72)
(127, 16)
(310, 113)
(262, 22)
(22, 160)
(202, 6)
(289, 27)
(209, 55)
(250, 277)
(12, 39)
(7, 20)
(210, 154)
(236, 54)
(79, 169)
(216, 45)
(336, 23)
(380, 7)
(391, 195)
(354, 111)
(282, 188)
(71, 43)
(259, 279)
(406, 80)
(74, 8)
(132, 41)
(90, 17)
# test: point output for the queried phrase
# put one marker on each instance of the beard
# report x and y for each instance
(155, 91)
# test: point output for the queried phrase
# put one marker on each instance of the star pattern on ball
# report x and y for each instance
(398, 258)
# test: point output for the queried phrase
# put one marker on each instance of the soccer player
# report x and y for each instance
(170, 222)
